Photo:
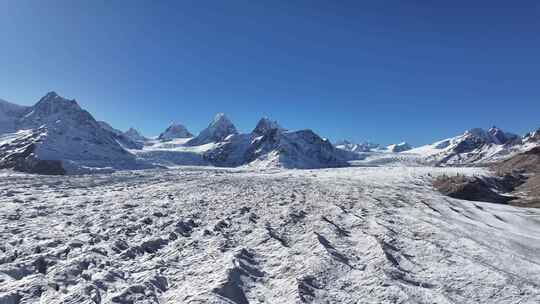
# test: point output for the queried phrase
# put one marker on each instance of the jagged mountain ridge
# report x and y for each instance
(218, 130)
(174, 131)
(67, 134)
(269, 145)
(63, 131)
(476, 146)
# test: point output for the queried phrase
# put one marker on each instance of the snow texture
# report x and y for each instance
(206, 235)
(401, 147)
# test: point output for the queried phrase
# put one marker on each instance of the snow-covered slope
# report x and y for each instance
(127, 140)
(175, 131)
(473, 146)
(135, 135)
(107, 127)
(354, 147)
(532, 138)
(397, 148)
(269, 145)
(200, 235)
(9, 115)
(219, 129)
(63, 132)
(265, 125)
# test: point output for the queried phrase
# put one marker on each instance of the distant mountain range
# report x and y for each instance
(57, 136)
(477, 146)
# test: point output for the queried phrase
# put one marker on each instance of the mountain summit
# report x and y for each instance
(270, 146)
(175, 130)
(264, 126)
(219, 129)
(56, 136)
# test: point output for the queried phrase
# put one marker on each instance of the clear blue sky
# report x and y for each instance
(384, 71)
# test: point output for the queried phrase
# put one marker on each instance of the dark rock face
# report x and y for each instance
(273, 146)
(533, 137)
(299, 149)
(56, 130)
(526, 162)
(39, 166)
(218, 130)
(18, 155)
(498, 136)
(518, 177)
(264, 126)
(527, 165)
(477, 189)
(175, 131)
(469, 144)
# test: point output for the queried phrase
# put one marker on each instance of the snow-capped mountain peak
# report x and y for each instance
(219, 129)
(493, 135)
(135, 135)
(68, 137)
(175, 130)
(474, 145)
(265, 125)
(52, 103)
(500, 137)
(532, 137)
(222, 123)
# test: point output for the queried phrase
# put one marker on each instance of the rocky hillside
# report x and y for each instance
(516, 181)
(60, 137)
(175, 131)
(269, 145)
(475, 146)
(218, 130)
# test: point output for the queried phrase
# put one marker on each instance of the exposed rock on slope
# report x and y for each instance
(481, 189)
(353, 147)
(17, 152)
(134, 135)
(533, 137)
(9, 114)
(271, 146)
(474, 146)
(107, 127)
(62, 132)
(219, 129)
(265, 125)
(175, 131)
(526, 164)
(517, 178)
(123, 138)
